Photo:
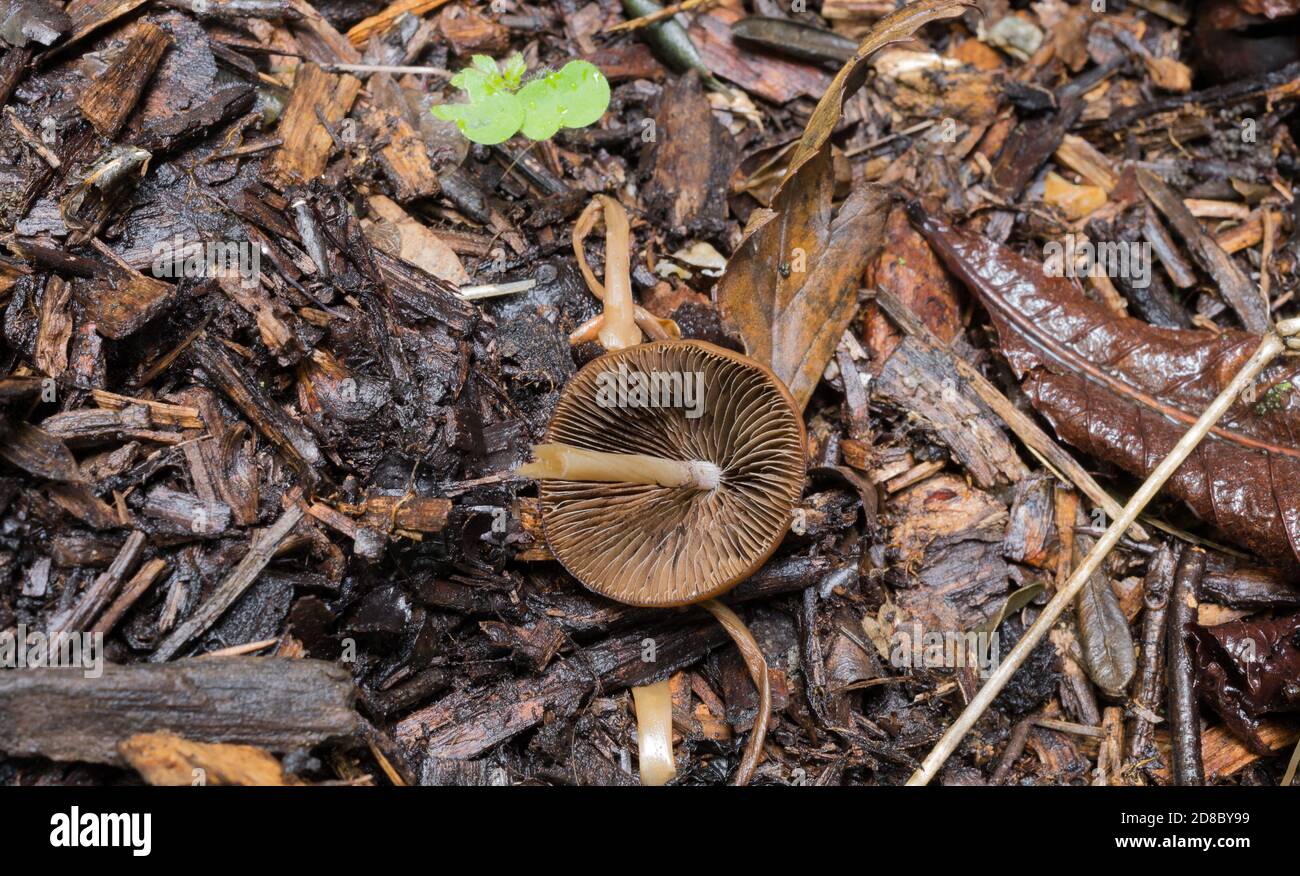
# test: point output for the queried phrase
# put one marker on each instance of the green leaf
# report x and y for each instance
(494, 119)
(473, 82)
(583, 94)
(542, 111)
(486, 65)
(514, 71)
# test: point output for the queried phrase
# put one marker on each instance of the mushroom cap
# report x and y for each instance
(650, 545)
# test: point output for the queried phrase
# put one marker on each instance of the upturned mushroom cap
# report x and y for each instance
(650, 545)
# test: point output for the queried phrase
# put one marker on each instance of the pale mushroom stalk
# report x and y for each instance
(654, 732)
(618, 323)
(563, 462)
(757, 665)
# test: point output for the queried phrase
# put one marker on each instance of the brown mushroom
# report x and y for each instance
(654, 506)
(671, 475)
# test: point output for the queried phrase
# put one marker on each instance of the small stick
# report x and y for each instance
(1269, 348)
(757, 665)
(32, 140)
(1184, 715)
(1146, 693)
(1015, 747)
(384, 68)
(660, 15)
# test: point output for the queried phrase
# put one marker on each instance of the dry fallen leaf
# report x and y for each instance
(790, 289)
(416, 243)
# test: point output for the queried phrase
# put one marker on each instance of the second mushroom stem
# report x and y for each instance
(757, 665)
(567, 463)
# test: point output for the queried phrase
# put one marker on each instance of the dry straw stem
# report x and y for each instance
(653, 17)
(1269, 348)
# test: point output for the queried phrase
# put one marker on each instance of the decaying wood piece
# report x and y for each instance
(402, 155)
(55, 327)
(381, 21)
(1223, 754)
(692, 160)
(105, 588)
(1184, 711)
(108, 101)
(1232, 282)
(123, 303)
(467, 723)
(88, 16)
(1024, 427)
(924, 381)
(260, 551)
(290, 438)
(409, 512)
(168, 759)
(318, 99)
(274, 703)
(1155, 611)
(37, 452)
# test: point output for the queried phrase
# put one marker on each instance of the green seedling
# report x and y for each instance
(501, 104)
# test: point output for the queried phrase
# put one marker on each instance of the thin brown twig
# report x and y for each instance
(1184, 716)
(660, 15)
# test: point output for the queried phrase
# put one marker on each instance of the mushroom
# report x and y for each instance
(671, 474)
(622, 320)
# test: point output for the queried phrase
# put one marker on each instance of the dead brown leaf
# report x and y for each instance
(790, 290)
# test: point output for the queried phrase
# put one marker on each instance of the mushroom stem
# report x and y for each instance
(618, 328)
(562, 462)
(654, 732)
(757, 665)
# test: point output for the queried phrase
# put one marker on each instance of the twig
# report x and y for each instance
(384, 68)
(757, 665)
(101, 593)
(1269, 348)
(1015, 747)
(264, 546)
(32, 140)
(1184, 716)
(660, 15)
(1146, 694)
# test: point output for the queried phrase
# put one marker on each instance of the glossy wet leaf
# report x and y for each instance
(498, 107)
(1247, 669)
(542, 111)
(513, 72)
(493, 119)
(1125, 391)
(583, 93)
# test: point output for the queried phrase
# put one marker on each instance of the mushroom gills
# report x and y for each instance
(563, 462)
